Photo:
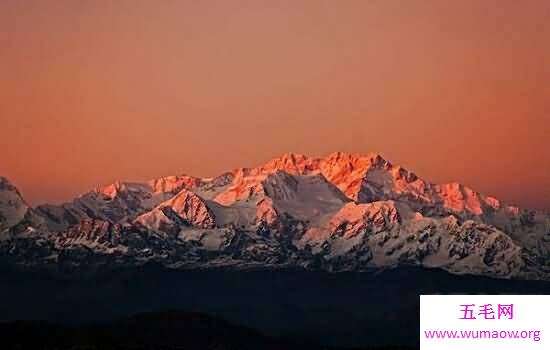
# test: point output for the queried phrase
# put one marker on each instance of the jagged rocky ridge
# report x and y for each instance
(338, 213)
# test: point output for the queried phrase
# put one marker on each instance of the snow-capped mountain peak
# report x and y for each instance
(345, 211)
(184, 209)
(12, 206)
(292, 163)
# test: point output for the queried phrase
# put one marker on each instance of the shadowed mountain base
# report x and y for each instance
(340, 310)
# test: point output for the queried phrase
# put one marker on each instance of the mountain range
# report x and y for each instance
(342, 212)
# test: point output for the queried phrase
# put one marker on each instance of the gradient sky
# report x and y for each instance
(99, 90)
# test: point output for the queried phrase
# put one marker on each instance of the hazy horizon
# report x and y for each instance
(95, 92)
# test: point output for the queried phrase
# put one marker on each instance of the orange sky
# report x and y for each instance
(93, 91)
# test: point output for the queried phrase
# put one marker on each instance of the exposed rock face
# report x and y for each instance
(266, 213)
(355, 218)
(12, 206)
(342, 212)
(184, 209)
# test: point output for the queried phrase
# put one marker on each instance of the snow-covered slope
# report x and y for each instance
(12, 206)
(124, 201)
(388, 234)
(341, 212)
(184, 209)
